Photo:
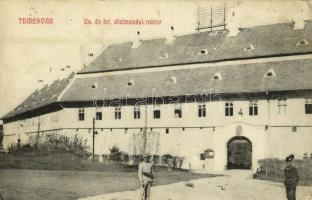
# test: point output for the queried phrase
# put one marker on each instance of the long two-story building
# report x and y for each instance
(218, 101)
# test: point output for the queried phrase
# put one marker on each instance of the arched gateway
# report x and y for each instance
(239, 153)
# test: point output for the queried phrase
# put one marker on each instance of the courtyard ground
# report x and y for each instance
(235, 185)
(21, 184)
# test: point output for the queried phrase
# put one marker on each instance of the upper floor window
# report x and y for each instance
(81, 114)
(229, 108)
(202, 110)
(308, 106)
(98, 114)
(117, 112)
(178, 111)
(136, 112)
(156, 111)
(281, 105)
(253, 108)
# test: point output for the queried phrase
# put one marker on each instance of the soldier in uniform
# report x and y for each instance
(291, 178)
(145, 177)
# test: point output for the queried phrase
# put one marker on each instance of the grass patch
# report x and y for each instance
(63, 176)
(281, 180)
(55, 184)
(55, 161)
(272, 169)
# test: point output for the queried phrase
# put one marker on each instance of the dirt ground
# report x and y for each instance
(235, 185)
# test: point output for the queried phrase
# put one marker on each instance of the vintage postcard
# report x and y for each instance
(156, 100)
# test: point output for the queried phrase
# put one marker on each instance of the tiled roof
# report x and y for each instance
(39, 98)
(260, 41)
(241, 78)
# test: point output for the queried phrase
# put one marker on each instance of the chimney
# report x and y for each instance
(136, 43)
(170, 38)
(232, 24)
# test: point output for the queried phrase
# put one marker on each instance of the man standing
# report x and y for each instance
(145, 176)
(291, 178)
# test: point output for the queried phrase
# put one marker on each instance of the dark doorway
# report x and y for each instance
(239, 153)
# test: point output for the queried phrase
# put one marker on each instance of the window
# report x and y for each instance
(167, 130)
(98, 114)
(172, 80)
(253, 108)
(281, 105)
(209, 153)
(130, 83)
(136, 112)
(308, 106)
(156, 112)
(203, 52)
(270, 73)
(178, 111)
(81, 114)
(302, 42)
(202, 110)
(217, 76)
(95, 85)
(249, 48)
(164, 56)
(229, 108)
(117, 112)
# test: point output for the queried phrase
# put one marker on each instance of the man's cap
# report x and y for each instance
(290, 158)
(146, 155)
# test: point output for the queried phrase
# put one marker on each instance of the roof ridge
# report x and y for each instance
(204, 32)
(266, 41)
(46, 96)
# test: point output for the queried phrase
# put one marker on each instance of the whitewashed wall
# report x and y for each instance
(199, 134)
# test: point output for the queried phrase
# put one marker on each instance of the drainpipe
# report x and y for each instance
(268, 116)
(93, 137)
(145, 131)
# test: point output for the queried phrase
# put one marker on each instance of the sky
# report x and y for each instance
(33, 52)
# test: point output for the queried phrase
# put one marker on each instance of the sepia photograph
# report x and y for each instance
(156, 100)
